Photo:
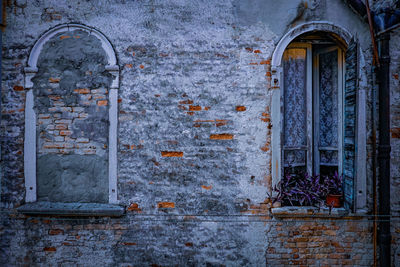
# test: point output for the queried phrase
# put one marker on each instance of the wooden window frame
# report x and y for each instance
(312, 106)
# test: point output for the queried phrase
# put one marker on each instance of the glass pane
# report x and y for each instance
(328, 99)
(294, 67)
(294, 158)
(328, 157)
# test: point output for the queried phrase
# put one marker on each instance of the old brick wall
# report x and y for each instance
(320, 242)
(193, 140)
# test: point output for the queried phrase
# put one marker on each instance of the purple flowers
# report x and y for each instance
(302, 189)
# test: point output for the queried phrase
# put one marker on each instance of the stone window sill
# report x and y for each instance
(71, 209)
(309, 212)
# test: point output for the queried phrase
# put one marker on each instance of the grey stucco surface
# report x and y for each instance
(72, 178)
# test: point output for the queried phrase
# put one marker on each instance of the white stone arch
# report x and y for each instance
(276, 69)
(30, 116)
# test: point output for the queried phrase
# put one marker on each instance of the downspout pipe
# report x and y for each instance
(384, 236)
(1, 91)
(374, 159)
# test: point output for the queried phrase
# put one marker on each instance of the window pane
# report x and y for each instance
(328, 99)
(328, 112)
(294, 158)
(328, 157)
(294, 94)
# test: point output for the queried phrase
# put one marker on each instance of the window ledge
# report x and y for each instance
(71, 209)
(311, 212)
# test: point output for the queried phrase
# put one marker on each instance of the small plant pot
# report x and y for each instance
(334, 201)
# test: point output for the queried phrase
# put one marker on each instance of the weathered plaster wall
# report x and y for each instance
(194, 138)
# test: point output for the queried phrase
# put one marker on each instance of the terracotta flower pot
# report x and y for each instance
(334, 201)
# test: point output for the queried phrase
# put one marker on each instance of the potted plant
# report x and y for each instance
(300, 189)
(335, 192)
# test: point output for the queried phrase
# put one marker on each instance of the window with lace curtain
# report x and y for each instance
(312, 105)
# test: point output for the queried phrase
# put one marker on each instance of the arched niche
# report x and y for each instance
(108, 104)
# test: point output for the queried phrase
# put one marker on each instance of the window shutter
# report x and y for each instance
(349, 136)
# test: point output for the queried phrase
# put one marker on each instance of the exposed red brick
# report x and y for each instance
(194, 108)
(220, 122)
(206, 187)
(61, 127)
(189, 244)
(18, 88)
(207, 108)
(53, 145)
(82, 91)
(171, 153)
(187, 102)
(395, 132)
(128, 66)
(54, 80)
(396, 76)
(164, 205)
(221, 55)
(253, 63)
(257, 51)
(265, 117)
(62, 37)
(265, 62)
(223, 136)
(129, 244)
(56, 232)
(102, 103)
(65, 132)
(268, 74)
(50, 249)
(204, 121)
(190, 113)
(55, 97)
(134, 207)
(141, 66)
(240, 108)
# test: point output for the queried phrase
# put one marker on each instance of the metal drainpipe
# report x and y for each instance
(1, 56)
(384, 237)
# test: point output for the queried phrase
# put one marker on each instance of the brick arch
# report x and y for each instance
(30, 116)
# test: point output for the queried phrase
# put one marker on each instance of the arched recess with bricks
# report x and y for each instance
(344, 37)
(72, 82)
